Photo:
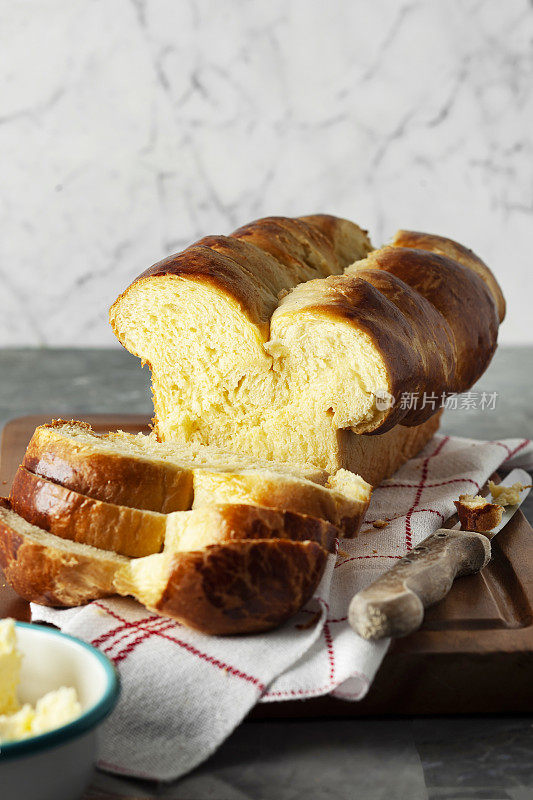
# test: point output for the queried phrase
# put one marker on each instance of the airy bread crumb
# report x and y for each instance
(506, 495)
(477, 514)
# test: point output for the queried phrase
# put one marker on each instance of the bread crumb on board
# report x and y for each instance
(380, 523)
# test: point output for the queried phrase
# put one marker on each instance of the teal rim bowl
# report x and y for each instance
(88, 719)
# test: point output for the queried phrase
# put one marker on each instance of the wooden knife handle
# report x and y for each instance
(394, 604)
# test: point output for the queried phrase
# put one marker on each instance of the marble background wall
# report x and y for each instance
(130, 128)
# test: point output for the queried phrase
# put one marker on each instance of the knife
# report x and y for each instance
(394, 604)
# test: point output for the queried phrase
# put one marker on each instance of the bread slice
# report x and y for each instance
(115, 468)
(71, 515)
(135, 470)
(228, 584)
(343, 502)
(46, 569)
(72, 455)
(237, 587)
(231, 569)
(352, 497)
(136, 533)
(215, 524)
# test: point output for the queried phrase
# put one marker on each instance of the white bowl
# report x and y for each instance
(57, 765)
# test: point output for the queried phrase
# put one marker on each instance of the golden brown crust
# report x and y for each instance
(241, 587)
(42, 572)
(369, 300)
(75, 516)
(481, 519)
(427, 352)
(458, 252)
(463, 300)
(302, 249)
(258, 268)
(279, 492)
(246, 265)
(110, 477)
(235, 521)
(349, 242)
(221, 273)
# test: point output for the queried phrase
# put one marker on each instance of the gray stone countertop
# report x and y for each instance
(373, 759)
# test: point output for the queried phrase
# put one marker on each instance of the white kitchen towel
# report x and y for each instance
(183, 693)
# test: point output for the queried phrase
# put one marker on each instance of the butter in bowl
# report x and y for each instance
(55, 691)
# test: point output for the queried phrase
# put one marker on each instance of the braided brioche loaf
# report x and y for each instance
(277, 339)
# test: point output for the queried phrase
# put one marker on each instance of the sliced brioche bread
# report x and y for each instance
(119, 470)
(134, 469)
(236, 587)
(344, 504)
(71, 515)
(200, 527)
(136, 533)
(352, 497)
(139, 472)
(46, 569)
(231, 569)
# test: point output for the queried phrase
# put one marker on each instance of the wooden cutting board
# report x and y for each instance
(474, 653)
